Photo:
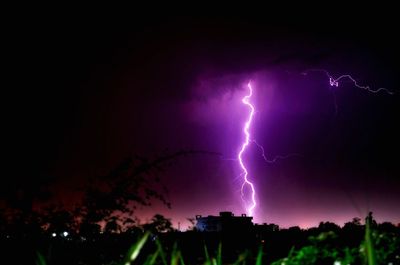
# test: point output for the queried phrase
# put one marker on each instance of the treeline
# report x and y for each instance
(325, 244)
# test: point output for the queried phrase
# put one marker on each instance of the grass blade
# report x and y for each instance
(162, 253)
(368, 244)
(175, 255)
(207, 261)
(181, 259)
(40, 259)
(241, 259)
(259, 256)
(219, 254)
(152, 258)
(134, 251)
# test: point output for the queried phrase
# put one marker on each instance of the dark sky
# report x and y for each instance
(84, 95)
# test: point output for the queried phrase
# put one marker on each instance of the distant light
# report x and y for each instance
(65, 234)
(54, 235)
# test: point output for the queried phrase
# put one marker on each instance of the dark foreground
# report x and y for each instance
(326, 244)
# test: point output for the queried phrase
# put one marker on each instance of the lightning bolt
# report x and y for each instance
(334, 82)
(248, 140)
(245, 173)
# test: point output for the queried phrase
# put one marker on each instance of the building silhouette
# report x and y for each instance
(225, 222)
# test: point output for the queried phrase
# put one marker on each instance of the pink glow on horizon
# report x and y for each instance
(253, 203)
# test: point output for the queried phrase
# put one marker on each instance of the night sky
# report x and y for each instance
(86, 95)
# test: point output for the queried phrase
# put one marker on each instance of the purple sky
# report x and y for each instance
(92, 96)
(302, 190)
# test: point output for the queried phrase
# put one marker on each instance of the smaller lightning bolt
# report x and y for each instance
(246, 143)
(275, 158)
(334, 82)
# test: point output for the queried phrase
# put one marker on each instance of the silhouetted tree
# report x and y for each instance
(387, 227)
(328, 226)
(370, 219)
(130, 224)
(135, 182)
(354, 225)
(192, 223)
(356, 221)
(58, 220)
(3, 222)
(89, 230)
(159, 224)
(294, 229)
(352, 232)
(112, 225)
(110, 198)
(20, 195)
(272, 227)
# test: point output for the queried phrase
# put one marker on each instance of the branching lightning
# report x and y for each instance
(334, 82)
(245, 173)
(276, 158)
(248, 140)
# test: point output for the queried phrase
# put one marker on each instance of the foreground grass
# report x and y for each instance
(176, 257)
(375, 249)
